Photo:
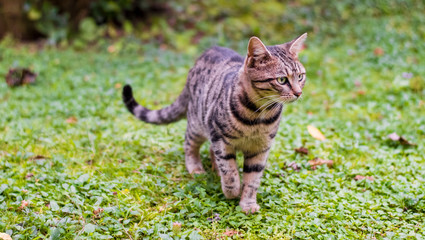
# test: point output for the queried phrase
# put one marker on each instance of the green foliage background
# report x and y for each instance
(180, 24)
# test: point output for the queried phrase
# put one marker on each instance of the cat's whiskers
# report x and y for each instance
(266, 97)
(265, 113)
(263, 107)
(276, 107)
(280, 103)
(271, 98)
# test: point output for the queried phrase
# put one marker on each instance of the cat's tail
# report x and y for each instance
(174, 112)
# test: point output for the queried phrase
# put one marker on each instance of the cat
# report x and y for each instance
(234, 102)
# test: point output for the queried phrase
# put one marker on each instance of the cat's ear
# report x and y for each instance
(296, 45)
(256, 48)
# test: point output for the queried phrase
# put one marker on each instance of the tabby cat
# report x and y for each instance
(236, 104)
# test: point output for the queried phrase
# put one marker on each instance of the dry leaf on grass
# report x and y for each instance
(318, 161)
(71, 120)
(29, 175)
(5, 236)
(361, 92)
(90, 162)
(97, 212)
(111, 49)
(314, 132)
(360, 177)
(301, 150)
(231, 232)
(294, 166)
(24, 204)
(378, 52)
(20, 76)
(395, 137)
(38, 157)
(118, 85)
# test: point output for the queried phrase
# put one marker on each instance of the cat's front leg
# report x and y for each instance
(225, 159)
(254, 164)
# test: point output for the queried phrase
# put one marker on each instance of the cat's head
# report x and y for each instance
(275, 71)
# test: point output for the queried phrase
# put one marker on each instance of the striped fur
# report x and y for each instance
(236, 104)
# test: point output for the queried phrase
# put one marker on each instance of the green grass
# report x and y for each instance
(135, 172)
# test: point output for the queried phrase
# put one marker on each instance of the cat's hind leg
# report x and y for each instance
(214, 166)
(192, 144)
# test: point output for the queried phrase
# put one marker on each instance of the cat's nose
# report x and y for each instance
(298, 93)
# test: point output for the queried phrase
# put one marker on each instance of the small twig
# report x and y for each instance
(125, 230)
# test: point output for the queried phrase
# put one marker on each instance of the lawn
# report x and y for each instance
(74, 164)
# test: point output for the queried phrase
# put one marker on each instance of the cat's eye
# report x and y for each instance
(300, 77)
(282, 80)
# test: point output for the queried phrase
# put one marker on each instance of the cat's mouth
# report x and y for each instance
(288, 99)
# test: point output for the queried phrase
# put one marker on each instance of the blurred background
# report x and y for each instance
(181, 24)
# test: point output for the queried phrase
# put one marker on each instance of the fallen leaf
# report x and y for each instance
(98, 211)
(71, 120)
(319, 161)
(231, 232)
(360, 177)
(38, 157)
(404, 141)
(5, 236)
(301, 150)
(90, 162)
(395, 137)
(361, 92)
(29, 175)
(20, 76)
(118, 85)
(24, 204)
(112, 49)
(294, 166)
(314, 132)
(378, 51)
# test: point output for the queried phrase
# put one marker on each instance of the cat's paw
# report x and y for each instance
(250, 207)
(231, 193)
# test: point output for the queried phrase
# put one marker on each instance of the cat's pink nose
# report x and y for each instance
(298, 93)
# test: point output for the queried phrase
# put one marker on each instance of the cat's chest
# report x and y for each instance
(255, 138)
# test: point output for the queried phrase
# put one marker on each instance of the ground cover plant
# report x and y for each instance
(75, 165)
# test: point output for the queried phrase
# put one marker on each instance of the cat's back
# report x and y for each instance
(217, 57)
(216, 64)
